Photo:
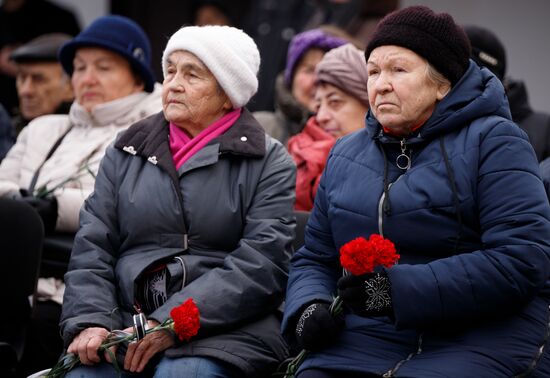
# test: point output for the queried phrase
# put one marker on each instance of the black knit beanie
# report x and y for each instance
(487, 50)
(434, 36)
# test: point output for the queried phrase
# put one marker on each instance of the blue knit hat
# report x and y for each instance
(301, 43)
(120, 35)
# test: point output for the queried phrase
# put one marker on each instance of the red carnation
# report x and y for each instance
(360, 256)
(186, 320)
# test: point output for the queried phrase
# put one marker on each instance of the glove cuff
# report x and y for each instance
(305, 315)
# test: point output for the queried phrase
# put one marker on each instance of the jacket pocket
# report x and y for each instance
(177, 275)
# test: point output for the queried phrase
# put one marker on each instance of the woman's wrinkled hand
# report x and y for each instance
(86, 344)
(139, 353)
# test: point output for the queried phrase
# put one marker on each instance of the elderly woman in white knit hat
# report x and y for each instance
(192, 203)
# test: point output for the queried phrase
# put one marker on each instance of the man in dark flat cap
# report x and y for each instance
(42, 85)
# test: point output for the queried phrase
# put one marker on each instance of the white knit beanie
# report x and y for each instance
(229, 53)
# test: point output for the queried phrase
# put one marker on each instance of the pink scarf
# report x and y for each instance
(183, 146)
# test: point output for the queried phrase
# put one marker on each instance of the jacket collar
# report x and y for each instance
(287, 103)
(120, 112)
(149, 138)
(246, 137)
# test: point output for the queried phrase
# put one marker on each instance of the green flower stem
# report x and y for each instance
(336, 307)
(69, 361)
(293, 366)
(43, 191)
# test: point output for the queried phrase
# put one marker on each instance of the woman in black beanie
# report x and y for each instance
(441, 171)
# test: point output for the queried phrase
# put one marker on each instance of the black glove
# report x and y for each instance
(367, 295)
(317, 328)
(45, 207)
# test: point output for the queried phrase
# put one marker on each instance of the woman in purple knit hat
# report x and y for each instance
(295, 87)
(341, 102)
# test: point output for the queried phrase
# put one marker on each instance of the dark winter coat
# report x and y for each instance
(7, 133)
(470, 219)
(535, 124)
(289, 117)
(227, 213)
(545, 173)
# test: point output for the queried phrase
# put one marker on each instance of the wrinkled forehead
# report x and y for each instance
(186, 61)
(392, 53)
(185, 58)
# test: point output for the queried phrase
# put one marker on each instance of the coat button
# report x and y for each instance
(244, 139)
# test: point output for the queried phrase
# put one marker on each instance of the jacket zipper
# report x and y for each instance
(185, 237)
(179, 196)
(390, 373)
(404, 164)
(381, 212)
(381, 208)
(406, 159)
(540, 352)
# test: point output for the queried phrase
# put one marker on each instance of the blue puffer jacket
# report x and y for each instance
(471, 221)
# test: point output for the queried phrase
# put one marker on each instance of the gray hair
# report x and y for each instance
(437, 77)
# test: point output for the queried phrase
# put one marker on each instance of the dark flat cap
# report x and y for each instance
(40, 49)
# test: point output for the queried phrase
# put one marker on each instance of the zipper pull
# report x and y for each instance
(386, 206)
(403, 161)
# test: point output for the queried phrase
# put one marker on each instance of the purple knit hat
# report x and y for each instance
(434, 36)
(304, 41)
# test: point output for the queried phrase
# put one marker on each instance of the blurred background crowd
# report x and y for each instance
(273, 23)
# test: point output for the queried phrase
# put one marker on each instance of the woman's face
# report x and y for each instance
(191, 96)
(338, 113)
(401, 95)
(101, 76)
(303, 84)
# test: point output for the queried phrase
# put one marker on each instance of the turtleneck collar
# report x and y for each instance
(119, 111)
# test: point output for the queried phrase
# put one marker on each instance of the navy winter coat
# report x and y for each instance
(7, 133)
(472, 224)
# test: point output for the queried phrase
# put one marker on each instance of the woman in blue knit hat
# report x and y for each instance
(442, 172)
(53, 164)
